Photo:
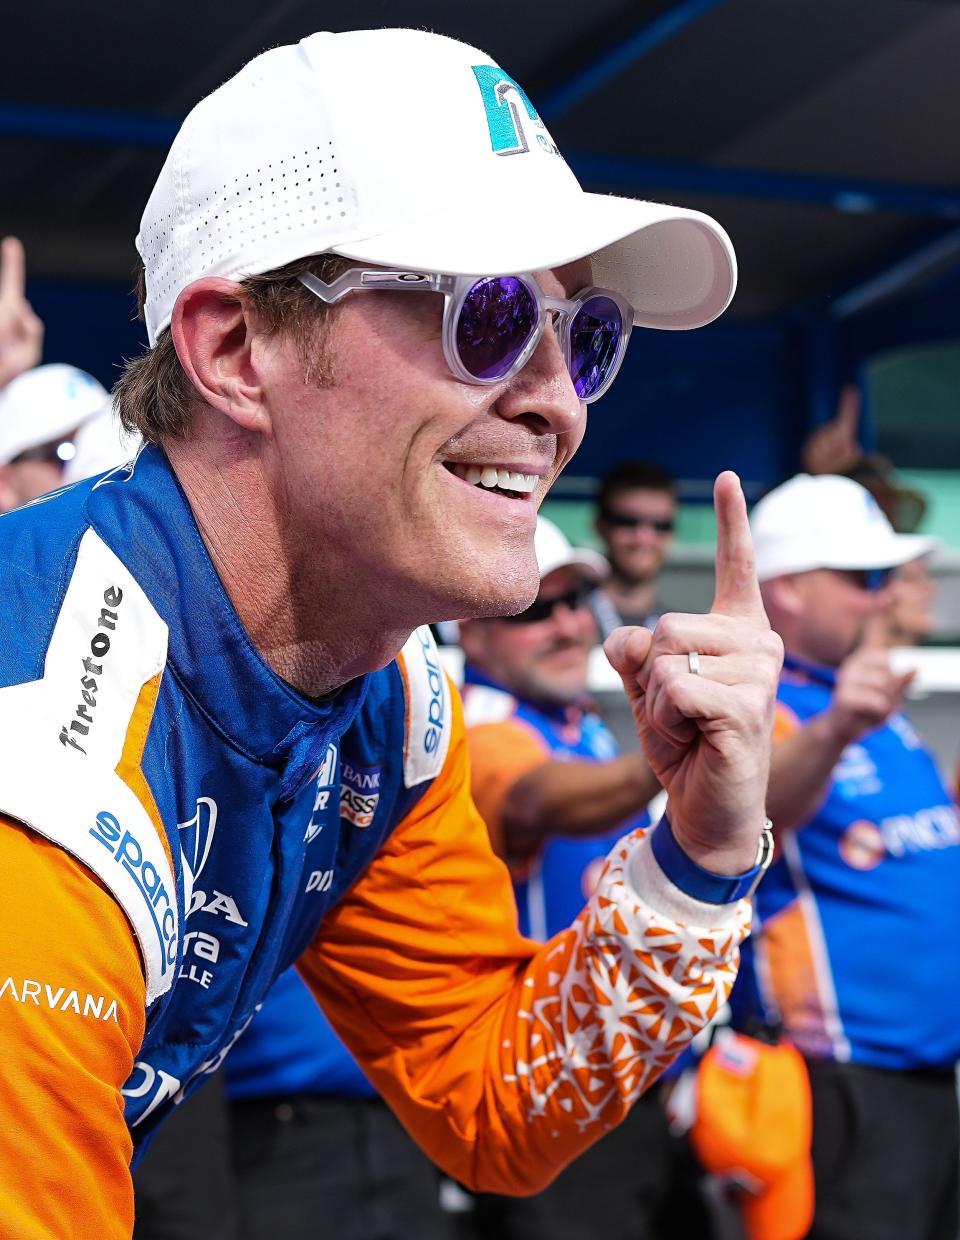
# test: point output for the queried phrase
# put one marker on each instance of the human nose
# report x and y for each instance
(645, 534)
(543, 391)
(568, 620)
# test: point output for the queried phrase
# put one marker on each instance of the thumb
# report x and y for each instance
(906, 679)
(626, 650)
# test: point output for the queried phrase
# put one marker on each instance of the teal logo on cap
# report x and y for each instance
(500, 94)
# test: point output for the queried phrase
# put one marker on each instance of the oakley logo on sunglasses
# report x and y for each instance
(370, 279)
(506, 124)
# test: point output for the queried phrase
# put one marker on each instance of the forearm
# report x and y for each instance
(575, 798)
(800, 771)
(507, 1064)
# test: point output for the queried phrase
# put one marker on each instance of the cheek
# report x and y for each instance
(587, 628)
(38, 477)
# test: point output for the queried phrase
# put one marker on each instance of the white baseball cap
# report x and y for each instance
(554, 550)
(101, 444)
(44, 404)
(825, 521)
(407, 149)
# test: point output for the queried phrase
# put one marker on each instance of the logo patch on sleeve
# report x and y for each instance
(359, 793)
(428, 717)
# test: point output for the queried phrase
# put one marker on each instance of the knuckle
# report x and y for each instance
(669, 628)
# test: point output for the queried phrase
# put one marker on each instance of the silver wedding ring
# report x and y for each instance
(693, 662)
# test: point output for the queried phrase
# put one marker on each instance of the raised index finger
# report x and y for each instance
(848, 411)
(13, 269)
(877, 630)
(737, 592)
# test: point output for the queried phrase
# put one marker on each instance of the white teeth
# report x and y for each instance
(491, 476)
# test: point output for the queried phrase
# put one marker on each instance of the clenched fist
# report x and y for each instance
(705, 724)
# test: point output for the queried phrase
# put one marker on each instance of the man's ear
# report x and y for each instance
(214, 337)
(783, 595)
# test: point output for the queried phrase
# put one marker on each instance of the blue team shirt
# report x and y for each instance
(257, 809)
(562, 876)
(857, 946)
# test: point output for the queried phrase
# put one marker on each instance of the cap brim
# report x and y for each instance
(591, 563)
(676, 267)
(889, 553)
(900, 549)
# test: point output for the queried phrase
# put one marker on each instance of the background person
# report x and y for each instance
(636, 518)
(866, 876)
(546, 776)
(42, 413)
(555, 795)
(912, 595)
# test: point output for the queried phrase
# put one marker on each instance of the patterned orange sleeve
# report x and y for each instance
(505, 1058)
(72, 1000)
(500, 754)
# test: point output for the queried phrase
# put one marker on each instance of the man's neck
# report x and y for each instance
(302, 606)
(631, 597)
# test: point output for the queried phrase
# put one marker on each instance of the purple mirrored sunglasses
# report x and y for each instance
(492, 324)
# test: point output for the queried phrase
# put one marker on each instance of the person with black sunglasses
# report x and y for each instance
(856, 926)
(556, 794)
(636, 518)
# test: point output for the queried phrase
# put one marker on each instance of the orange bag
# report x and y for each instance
(753, 1127)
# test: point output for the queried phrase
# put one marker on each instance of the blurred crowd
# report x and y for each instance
(823, 1102)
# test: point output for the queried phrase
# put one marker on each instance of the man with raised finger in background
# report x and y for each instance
(376, 318)
(857, 924)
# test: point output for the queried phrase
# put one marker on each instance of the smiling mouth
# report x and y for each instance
(506, 482)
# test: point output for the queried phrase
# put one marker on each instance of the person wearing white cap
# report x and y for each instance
(42, 413)
(535, 662)
(555, 794)
(857, 922)
(378, 304)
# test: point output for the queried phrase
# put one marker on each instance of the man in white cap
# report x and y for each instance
(857, 923)
(555, 794)
(43, 413)
(543, 764)
(378, 304)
